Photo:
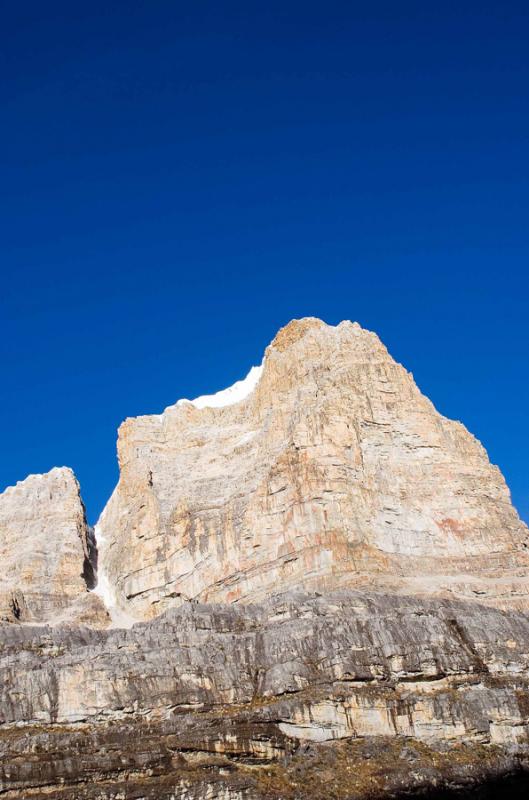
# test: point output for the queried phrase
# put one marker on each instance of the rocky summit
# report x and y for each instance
(311, 584)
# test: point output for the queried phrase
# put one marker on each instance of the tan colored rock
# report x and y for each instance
(47, 552)
(335, 471)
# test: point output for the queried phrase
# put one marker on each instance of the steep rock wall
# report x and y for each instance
(334, 471)
(47, 551)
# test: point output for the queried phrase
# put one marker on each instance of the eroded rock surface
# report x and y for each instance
(249, 701)
(332, 585)
(335, 471)
(47, 552)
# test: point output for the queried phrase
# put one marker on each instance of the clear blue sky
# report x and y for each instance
(178, 180)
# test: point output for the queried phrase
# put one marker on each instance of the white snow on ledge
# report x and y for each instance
(227, 397)
(106, 591)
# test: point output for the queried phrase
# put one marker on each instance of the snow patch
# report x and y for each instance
(233, 394)
(106, 590)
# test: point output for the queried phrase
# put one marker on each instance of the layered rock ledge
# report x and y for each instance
(330, 591)
(352, 693)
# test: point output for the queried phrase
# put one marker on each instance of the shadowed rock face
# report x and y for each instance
(47, 552)
(370, 633)
(335, 471)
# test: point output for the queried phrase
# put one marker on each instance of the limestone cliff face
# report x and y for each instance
(335, 471)
(343, 546)
(345, 697)
(47, 552)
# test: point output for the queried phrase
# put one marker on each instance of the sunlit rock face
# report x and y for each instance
(334, 471)
(344, 546)
(47, 552)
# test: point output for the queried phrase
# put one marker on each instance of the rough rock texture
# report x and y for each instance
(335, 471)
(370, 628)
(47, 552)
(302, 696)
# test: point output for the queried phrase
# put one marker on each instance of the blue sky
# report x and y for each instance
(180, 180)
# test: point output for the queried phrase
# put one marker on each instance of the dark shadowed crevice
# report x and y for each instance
(88, 540)
(506, 787)
(15, 608)
(90, 560)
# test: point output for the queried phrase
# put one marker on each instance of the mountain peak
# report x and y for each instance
(334, 472)
(296, 329)
(325, 468)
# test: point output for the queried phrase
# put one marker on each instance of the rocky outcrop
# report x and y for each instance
(331, 585)
(334, 471)
(47, 551)
(253, 701)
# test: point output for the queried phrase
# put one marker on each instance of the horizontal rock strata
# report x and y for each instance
(226, 701)
(330, 585)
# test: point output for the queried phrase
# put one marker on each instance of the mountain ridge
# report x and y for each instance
(322, 393)
(330, 408)
(321, 589)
